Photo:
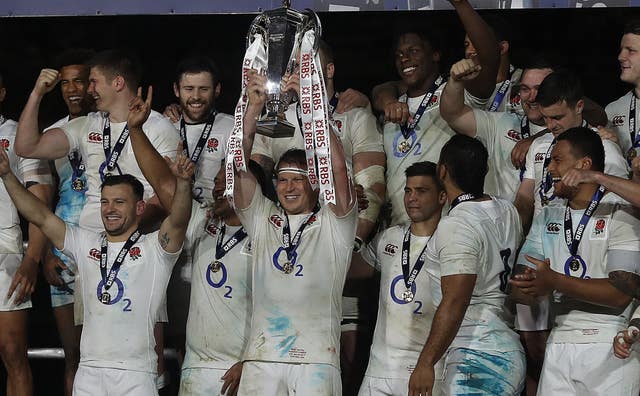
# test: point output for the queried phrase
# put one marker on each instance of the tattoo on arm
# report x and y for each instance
(164, 240)
(626, 282)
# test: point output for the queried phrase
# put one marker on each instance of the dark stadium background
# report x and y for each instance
(585, 40)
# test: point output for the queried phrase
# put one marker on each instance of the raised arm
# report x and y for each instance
(453, 110)
(484, 41)
(173, 228)
(32, 209)
(245, 184)
(344, 190)
(385, 100)
(153, 166)
(30, 143)
(627, 189)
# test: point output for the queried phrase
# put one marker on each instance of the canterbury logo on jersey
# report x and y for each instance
(135, 253)
(618, 120)
(5, 143)
(212, 145)
(94, 254)
(212, 229)
(94, 137)
(539, 157)
(390, 249)
(514, 135)
(276, 221)
(553, 228)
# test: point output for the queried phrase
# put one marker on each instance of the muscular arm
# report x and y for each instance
(456, 295)
(626, 282)
(594, 291)
(29, 142)
(265, 163)
(36, 249)
(524, 202)
(344, 190)
(386, 93)
(33, 209)
(174, 227)
(372, 163)
(454, 111)
(486, 46)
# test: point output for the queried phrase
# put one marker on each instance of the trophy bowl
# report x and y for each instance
(282, 31)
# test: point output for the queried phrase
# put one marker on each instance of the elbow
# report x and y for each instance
(619, 300)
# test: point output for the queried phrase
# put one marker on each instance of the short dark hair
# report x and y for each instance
(115, 63)
(585, 143)
(73, 56)
(424, 168)
(539, 64)
(293, 156)
(130, 180)
(559, 86)
(632, 27)
(466, 161)
(428, 36)
(198, 64)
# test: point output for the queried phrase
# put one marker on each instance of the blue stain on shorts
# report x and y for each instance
(482, 373)
(278, 327)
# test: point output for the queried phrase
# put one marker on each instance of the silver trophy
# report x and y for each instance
(282, 30)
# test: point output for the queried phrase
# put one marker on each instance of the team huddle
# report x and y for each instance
(494, 208)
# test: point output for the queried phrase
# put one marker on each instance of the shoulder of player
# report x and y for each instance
(8, 128)
(621, 102)
(157, 123)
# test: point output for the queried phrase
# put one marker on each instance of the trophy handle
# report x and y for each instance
(258, 26)
(313, 22)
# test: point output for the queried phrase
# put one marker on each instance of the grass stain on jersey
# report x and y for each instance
(278, 324)
(285, 345)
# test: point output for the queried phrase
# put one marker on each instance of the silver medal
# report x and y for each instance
(574, 265)
(105, 298)
(215, 266)
(407, 296)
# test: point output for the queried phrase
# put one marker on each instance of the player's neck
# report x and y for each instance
(73, 116)
(119, 112)
(232, 220)
(330, 90)
(121, 237)
(636, 90)
(583, 196)
(426, 227)
(421, 88)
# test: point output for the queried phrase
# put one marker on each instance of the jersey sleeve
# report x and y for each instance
(161, 256)
(196, 225)
(72, 242)
(623, 252)
(475, 102)
(344, 227)
(533, 244)
(254, 214)
(262, 146)
(33, 171)
(615, 164)
(365, 136)
(460, 251)
(529, 162)
(371, 250)
(75, 130)
(486, 125)
(162, 135)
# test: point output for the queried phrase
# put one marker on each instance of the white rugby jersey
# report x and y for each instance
(614, 164)
(618, 115)
(499, 132)
(424, 144)
(220, 305)
(480, 238)
(120, 335)
(296, 316)
(212, 153)
(26, 170)
(402, 327)
(611, 241)
(85, 136)
(357, 130)
(510, 102)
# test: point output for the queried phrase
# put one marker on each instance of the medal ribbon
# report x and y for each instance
(290, 245)
(77, 167)
(546, 182)
(195, 156)
(236, 238)
(113, 273)
(409, 278)
(572, 240)
(426, 102)
(112, 156)
(254, 58)
(502, 91)
(464, 198)
(525, 132)
(635, 138)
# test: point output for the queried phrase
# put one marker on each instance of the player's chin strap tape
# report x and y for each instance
(367, 178)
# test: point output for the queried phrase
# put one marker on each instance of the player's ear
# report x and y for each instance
(140, 206)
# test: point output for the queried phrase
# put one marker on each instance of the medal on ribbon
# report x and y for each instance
(289, 244)
(409, 275)
(112, 277)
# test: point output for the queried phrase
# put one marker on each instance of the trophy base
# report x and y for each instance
(275, 128)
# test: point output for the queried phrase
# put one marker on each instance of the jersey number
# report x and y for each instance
(504, 275)
(127, 305)
(228, 293)
(299, 271)
(418, 311)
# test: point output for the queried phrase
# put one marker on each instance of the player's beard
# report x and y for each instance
(200, 115)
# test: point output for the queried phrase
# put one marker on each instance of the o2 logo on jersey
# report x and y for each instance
(397, 288)
(119, 286)
(617, 120)
(276, 221)
(94, 254)
(5, 143)
(514, 135)
(135, 253)
(212, 145)
(94, 137)
(390, 250)
(280, 261)
(553, 228)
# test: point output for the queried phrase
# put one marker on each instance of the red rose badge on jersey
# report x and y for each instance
(5, 143)
(212, 145)
(599, 230)
(135, 253)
